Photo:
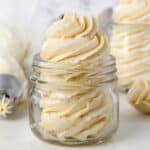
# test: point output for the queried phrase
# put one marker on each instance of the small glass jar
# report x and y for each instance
(130, 45)
(69, 106)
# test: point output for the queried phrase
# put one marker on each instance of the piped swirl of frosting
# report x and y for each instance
(74, 38)
(130, 45)
(71, 110)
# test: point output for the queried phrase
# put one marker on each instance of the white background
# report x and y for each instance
(30, 16)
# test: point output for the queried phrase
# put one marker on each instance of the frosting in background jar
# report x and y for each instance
(130, 41)
(74, 106)
(139, 95)
(132, 12)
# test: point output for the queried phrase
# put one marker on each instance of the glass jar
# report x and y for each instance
(69, 106)
(130, 44)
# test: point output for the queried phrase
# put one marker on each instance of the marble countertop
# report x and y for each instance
(133, 133)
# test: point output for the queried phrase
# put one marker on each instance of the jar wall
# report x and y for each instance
(74, 105)
(103, 119)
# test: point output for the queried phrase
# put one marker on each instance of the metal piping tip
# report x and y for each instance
(10, 93)
(6, 107)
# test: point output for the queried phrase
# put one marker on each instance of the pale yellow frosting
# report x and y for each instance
(139, 95)
(133, 12)
(130, 41)
(130, 45)
(74, 38)
(74, 106)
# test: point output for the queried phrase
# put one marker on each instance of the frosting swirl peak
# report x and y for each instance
(73, 38)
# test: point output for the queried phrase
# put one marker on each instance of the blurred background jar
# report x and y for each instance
(130, 44)
(130, 41)
(83, 110)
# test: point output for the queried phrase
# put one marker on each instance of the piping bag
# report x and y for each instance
(13, 82)
(11, 90)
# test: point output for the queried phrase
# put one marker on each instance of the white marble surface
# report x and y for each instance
(133, 133)
(30, 16)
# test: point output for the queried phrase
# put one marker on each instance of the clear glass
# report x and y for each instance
(69, 107)
(130, 44)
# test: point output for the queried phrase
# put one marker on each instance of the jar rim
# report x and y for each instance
(106, 71)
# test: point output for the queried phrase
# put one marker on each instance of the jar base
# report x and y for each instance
(92, 141)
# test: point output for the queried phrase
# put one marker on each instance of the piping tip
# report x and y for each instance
(6, 106)
(10, 94)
